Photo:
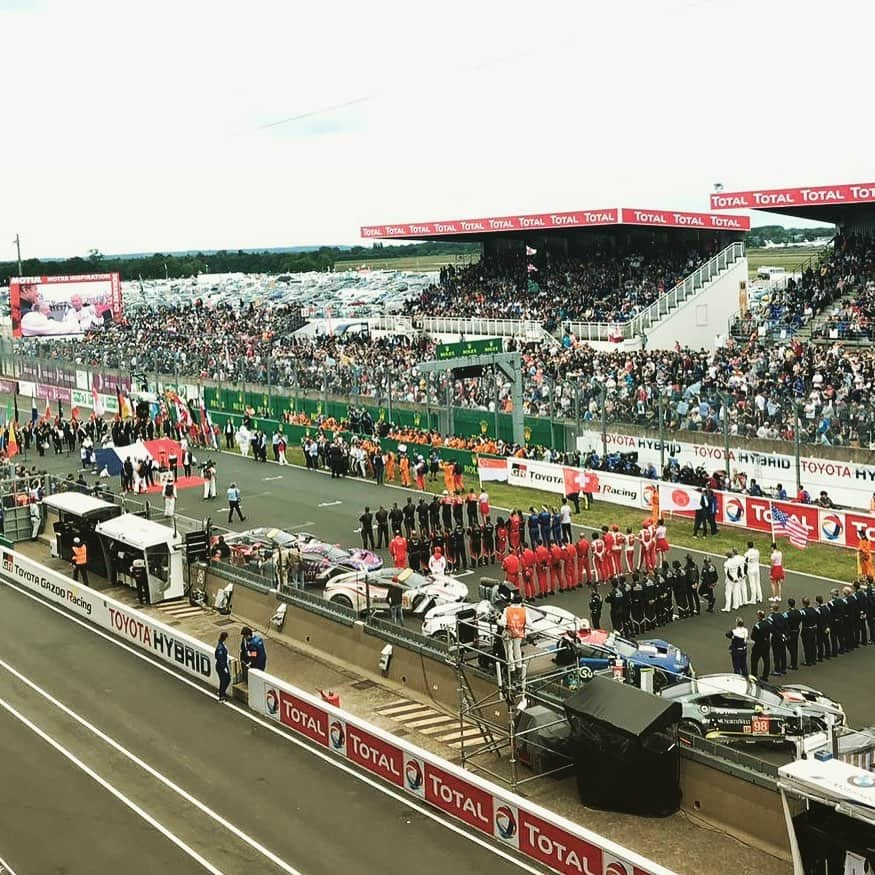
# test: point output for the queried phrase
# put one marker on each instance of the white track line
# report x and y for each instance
(5, 868)
(152, 772)
(288, 737)
(69, 755)
(744, 533)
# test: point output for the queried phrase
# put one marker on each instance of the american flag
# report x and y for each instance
(796, 531)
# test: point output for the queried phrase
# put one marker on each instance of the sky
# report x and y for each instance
(207, 125)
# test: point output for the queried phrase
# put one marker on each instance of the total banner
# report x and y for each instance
(848, 483)
(514, 822)
(169, 646)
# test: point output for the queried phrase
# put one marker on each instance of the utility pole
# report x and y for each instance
(17, 242)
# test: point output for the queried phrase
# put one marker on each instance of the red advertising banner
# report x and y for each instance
(459, 798)
(856, 523)
(303, 717)
(819, 195)
(558, 849)
(54, 393)
(675, 219)
(375, 755)
(803, 513)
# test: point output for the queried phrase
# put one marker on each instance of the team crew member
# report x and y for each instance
(557, 568)
(570, 565)
(583, 571)
(511, 568)
(776, 573)
(422, 517)
(398, 550)
(709, 582)
(864, 556)
(396, 518)
(608, 538)
(414, 555)
(810, 625)
(252, 650)
(515, 530)
(565, 521)
(514, 621)
(409, 514)
(761, 635)
(483, 505)
(793, 618)
(533, 526)
(754, 593)
(79, 561)
(544, 523)
(738, 647)
(501, 533)
(629, 550)
(779, 633)
(366, 521)
(382, 518)
(488, 541)
(222, 669)
(595, 610)
(647, 555)
(823, 620)
(528, 562)
(437, 564)
(542, 554)
(208, 472)
(600, 558)
(475, 543)
(617, 549)
(731, 582)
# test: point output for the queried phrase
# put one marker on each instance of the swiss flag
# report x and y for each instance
(578, 480)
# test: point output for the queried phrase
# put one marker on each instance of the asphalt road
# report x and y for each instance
(109, 764)
(294, 498)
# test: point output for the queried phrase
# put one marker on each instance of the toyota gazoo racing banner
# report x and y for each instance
(509, 819)
(52, 306)
(848, 483)
(175, 648)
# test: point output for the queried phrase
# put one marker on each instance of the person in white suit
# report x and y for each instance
(752, 572)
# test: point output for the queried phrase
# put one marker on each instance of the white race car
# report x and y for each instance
(545, 624)
(420, 592)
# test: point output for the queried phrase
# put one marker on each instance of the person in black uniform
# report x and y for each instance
(738, 647)
(636, 605)
(396, 517)
(761, 635)
(458, 540)
(650, 599)
(709, 582)
(367, 523)
(862, 601)
(810, 622)
(409, 513)
(614, 600)
(679, 589)
(422, 517)
(823, 648)
(459, 511)
(849, 625)
(870, 608)
(414, 551)
(779, 640)
(836, 623)
(595, 609)
(475, 544)
(626, 589)
(691, 572)
(663, 599)
(488, 542)
(447, 512)
(793, 616)
(471, 507)
(382, 518)
(434, 514)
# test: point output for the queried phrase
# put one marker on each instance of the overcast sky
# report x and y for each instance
(183, 125)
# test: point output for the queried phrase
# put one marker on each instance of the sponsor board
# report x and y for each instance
(848, 483)
(185, 653)
(762, 199)
(517, 824)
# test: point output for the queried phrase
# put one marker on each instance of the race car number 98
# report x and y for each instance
(759, 726)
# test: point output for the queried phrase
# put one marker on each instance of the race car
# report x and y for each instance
(545, 624)
(419, 594)
(598, 649)
(732, 707)
(353, 558)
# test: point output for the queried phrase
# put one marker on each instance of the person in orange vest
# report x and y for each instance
(514, 621)
(448, 477)
(404, 465)
(80, 561)
(398, 550)
(864, 555)
(390, 467)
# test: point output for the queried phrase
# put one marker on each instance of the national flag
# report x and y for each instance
(793, 528)
(12, 443)
(124, 406)
(492, 469)
(34, 415)
(15, 397)
(96, 403)
(74, 414)
(531, 268)
(530, 251)
(207, 427)
(48, 414)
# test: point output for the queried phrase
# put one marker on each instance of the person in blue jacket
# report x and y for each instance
(555, 526)
(222, 668)
(532, 523)
(252, 651)
(544, 520)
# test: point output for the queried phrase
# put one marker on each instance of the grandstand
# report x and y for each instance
(607, 276)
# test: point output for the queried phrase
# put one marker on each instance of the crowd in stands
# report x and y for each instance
(601, 286)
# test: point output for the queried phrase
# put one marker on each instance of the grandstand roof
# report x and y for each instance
(454, 229)
(823, 203)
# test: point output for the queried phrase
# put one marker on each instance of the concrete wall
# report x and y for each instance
(700, 318)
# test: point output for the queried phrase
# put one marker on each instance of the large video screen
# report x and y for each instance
(52, 306)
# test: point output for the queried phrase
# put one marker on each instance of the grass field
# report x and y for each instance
(816, 559)
(791, 260)
(425, 262)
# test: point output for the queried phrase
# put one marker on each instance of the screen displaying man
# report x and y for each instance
(38, 322)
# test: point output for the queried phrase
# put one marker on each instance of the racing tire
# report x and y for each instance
(342, 600)
(417, 601)
(443, 635)
(691, 728)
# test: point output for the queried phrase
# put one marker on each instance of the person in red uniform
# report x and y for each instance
(647, 553)
(557, 568)
(631, 541)
(617, 552)
(511, 566)
(570, 564)
(500, 538)
(514, 528)
(608, 538)
(583, 570)
(398, 550)
(600, 558)
(542, 554)
(530, 574)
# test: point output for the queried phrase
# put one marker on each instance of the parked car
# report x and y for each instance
(354, 558)
(598, 649)
(420, 592)
(734, 707)
(321, 563)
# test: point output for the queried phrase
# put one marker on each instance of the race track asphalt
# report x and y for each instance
(231, 794)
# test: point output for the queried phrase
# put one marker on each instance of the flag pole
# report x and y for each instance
(772, 521)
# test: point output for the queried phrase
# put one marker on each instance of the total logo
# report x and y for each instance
(734, 510)
(831, 527)
(505, 822)
(413, 775)
(337, 734)
(613, 866)
(272, 701)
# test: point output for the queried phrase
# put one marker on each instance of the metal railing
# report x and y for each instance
(410, 639)
(474, 327)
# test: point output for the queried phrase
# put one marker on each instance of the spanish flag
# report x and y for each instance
(12, 443)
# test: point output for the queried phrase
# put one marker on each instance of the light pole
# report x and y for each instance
(660, 413)
(798, 440)
(17, 242)
(604, 398)
(725, 400)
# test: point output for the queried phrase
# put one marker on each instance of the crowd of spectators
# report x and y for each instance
(600, 286)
